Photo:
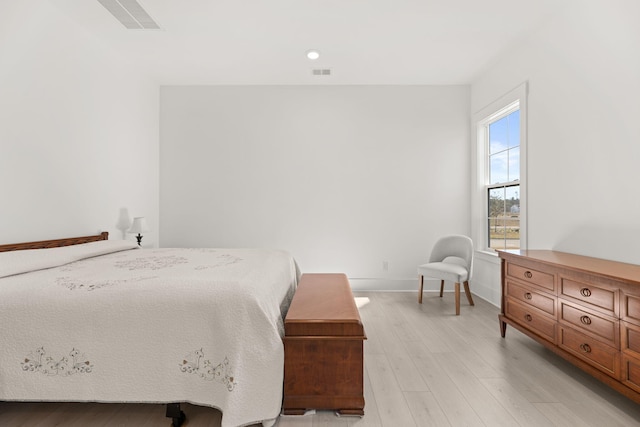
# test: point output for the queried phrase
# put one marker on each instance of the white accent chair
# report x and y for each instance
(451, 259)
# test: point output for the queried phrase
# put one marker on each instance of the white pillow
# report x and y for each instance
(17, 262)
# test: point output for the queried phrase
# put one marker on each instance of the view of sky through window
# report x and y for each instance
(504, 149)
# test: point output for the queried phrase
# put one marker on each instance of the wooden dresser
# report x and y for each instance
(587, 310)
(323, 348)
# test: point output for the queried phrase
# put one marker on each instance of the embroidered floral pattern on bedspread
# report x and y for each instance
(83, 285)
(220, 261)
(151, 263)
(38, 361)
(193, 364)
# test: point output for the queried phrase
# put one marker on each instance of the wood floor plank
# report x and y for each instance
(58, 415)
(559, 381)
(560, 415)
(600, 413)
(402, 328)
(525, 413)
(371, 416)
(488, 408)
(10, 412)
(368, 314)
(405, 370)
(392, 408)
(523, 370)
(425, 409)
(384, 336)
(422, 319)
(401, 363)
(329, 418)
(473, 361)
(453, 404)
(97, 414)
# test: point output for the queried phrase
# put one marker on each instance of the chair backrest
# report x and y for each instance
(456, 245)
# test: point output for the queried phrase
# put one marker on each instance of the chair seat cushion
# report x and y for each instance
(444, 271)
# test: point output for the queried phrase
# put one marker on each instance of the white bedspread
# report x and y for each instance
(155, 325)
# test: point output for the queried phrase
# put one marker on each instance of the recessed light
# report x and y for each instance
(313, 54)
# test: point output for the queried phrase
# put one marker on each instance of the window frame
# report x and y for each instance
(505, 105)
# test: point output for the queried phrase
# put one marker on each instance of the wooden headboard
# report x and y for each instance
(56, 243)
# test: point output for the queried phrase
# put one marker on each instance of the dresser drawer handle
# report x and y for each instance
(527, 295)
(586, 320)
(528, 274)
(585, 348)
(528, 317)
(585, 292)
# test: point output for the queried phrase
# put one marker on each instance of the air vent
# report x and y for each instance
(130, 14)
(321, 72)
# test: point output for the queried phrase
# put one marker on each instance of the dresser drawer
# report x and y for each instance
(596, 353)
(631, 308)
(528, 296)
(532, 318)
(535, 277)
(631, 372)
(598, 326)
(597, 297)
(630, 339)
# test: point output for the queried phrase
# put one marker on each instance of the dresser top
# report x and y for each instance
(612, 269)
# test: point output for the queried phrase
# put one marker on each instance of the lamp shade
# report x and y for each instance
(139, 225)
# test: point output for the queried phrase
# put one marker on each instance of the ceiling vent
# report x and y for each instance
(321, 72)
(130, 14)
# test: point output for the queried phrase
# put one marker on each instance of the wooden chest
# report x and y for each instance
(323, 348)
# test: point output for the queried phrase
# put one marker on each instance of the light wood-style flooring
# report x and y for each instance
(424, 366)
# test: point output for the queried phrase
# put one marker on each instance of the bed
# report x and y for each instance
(95, 320)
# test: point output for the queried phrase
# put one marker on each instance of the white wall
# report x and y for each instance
(78, 130)
(343, 177)
(584, 132)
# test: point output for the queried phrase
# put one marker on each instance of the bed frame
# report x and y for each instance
(173, 409)
(56, 243)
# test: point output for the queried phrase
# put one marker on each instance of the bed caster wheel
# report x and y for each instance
(176, 415)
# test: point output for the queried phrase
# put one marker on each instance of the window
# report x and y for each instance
(503, 185)
(499, 202)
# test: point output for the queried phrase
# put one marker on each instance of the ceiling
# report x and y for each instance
(437, 42)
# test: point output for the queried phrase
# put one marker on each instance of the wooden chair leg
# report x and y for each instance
(441, 287)
(468, 292)
(420, 291)
(457, 298)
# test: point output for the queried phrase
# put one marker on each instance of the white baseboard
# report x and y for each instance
(487, 293)
(374, 284)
